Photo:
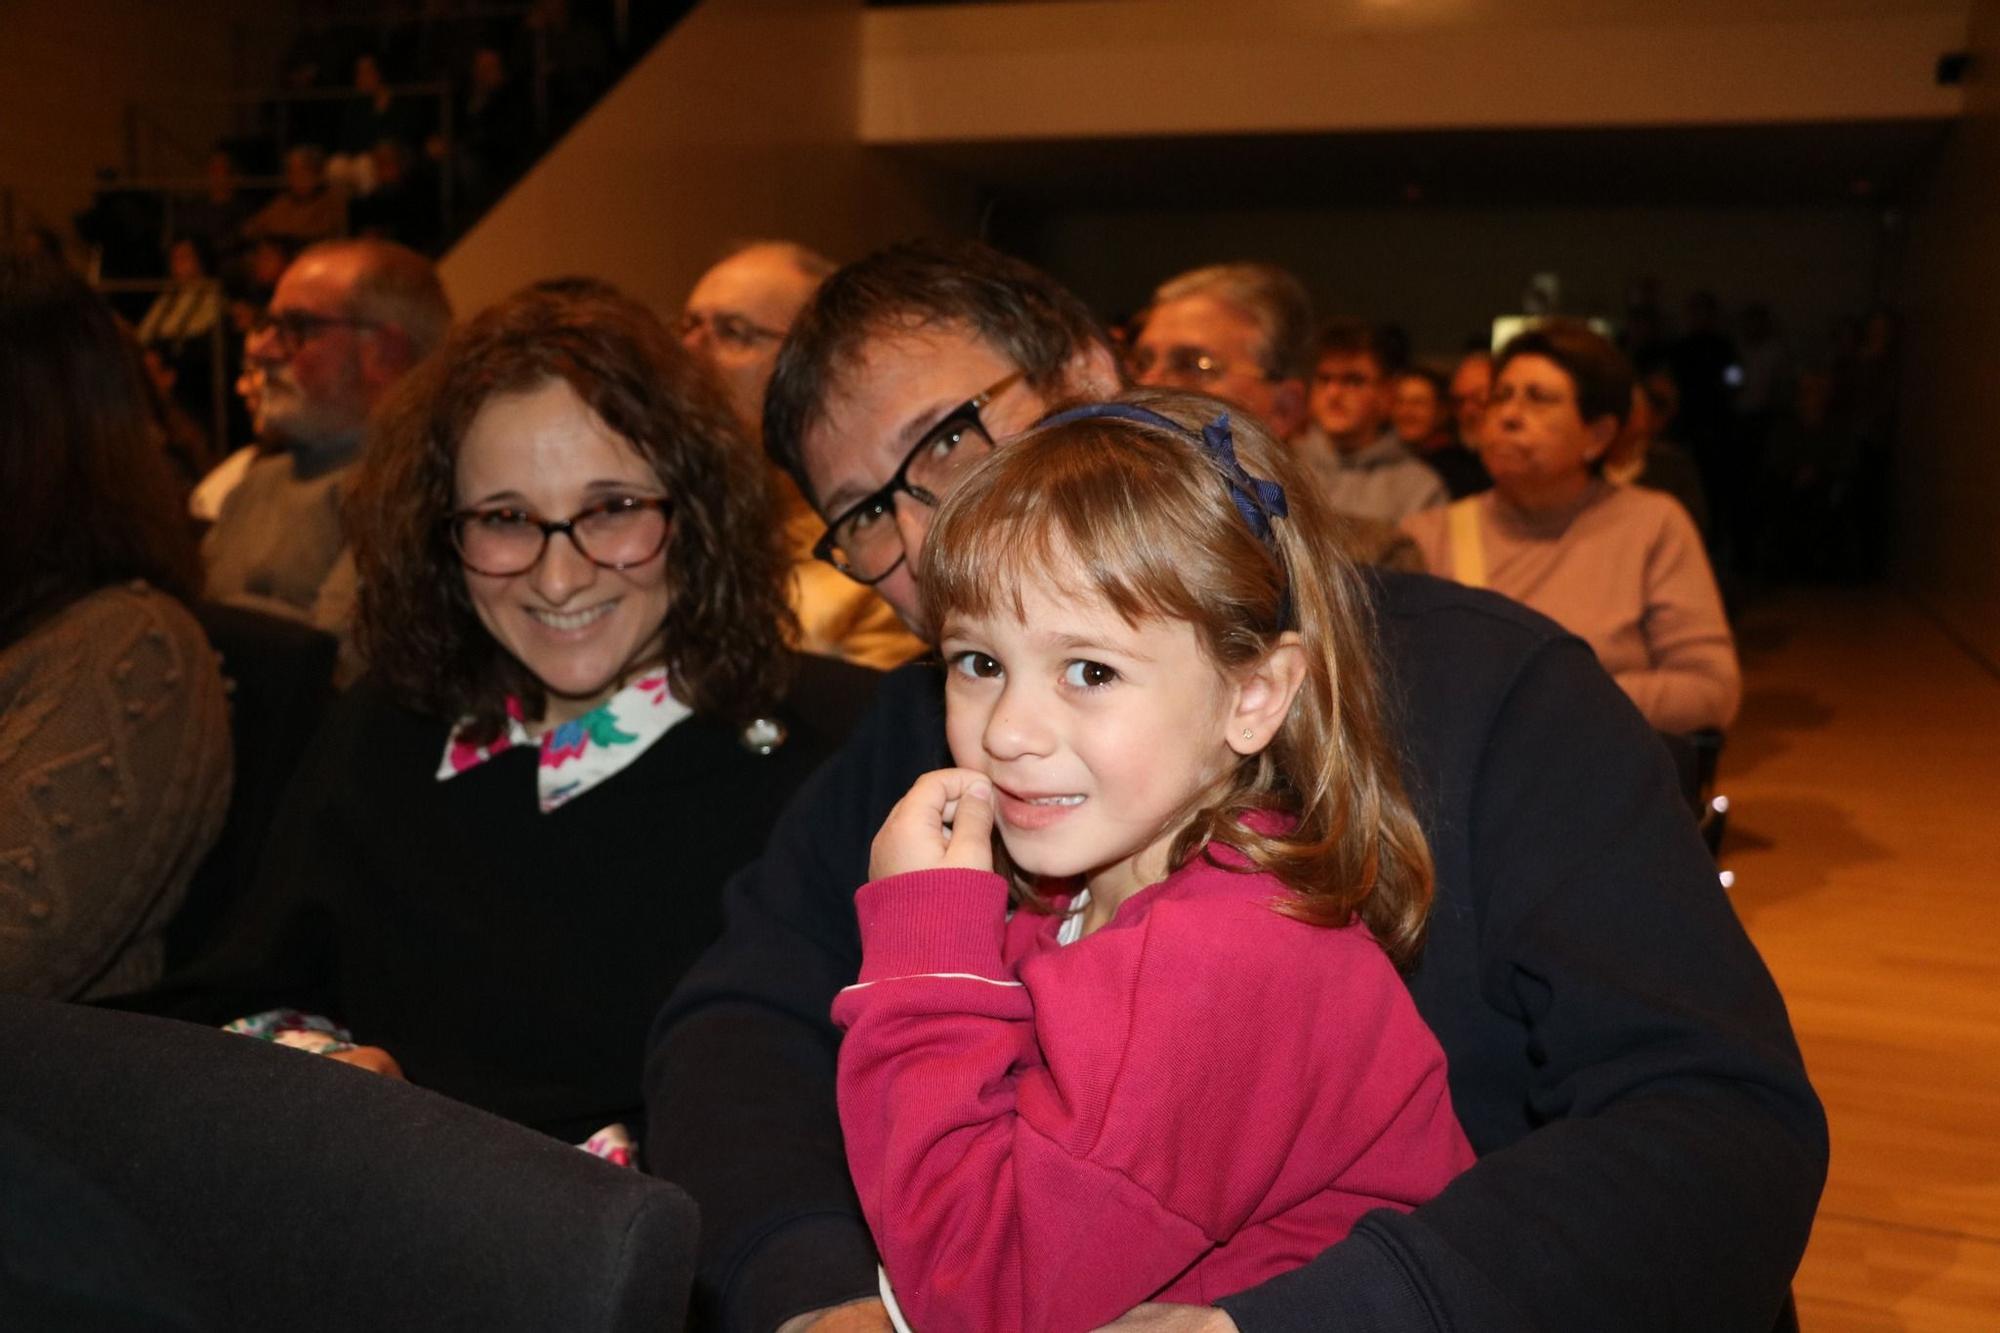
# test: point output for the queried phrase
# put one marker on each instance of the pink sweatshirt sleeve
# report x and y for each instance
(1047, 1150)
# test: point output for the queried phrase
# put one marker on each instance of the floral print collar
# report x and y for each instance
(579, 754)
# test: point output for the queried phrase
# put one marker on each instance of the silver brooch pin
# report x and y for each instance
(764, 735)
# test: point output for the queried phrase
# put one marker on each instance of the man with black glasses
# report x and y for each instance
(347, 320)
(1651, 1151)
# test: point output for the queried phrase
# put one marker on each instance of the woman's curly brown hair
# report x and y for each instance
(727, 620)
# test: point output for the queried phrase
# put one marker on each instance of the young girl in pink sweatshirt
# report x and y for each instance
(1152, 1045)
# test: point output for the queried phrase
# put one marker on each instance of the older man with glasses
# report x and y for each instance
(347, 320)
(1239, 332)
(1619, 1056)
(735, 318)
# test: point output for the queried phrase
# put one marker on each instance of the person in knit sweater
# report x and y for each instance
(1153, 648)
(114, 731)
(1621, 567)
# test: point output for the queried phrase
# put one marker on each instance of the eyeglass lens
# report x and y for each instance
(617, 535)
(865, 540)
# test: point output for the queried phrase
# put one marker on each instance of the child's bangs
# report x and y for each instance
(1080, 511)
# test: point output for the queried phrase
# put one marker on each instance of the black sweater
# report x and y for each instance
(1651, 1151)
(504, 957)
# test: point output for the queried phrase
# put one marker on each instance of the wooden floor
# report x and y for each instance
(1864, 776)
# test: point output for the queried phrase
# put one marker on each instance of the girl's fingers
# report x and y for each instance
(972, 830)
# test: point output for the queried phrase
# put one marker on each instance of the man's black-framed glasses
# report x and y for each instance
(617, 534)
(862, 541)
(295, 328)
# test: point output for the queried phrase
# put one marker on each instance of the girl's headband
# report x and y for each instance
(1259, 501)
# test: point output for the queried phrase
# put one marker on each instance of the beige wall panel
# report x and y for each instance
(1948, 464)
(1132, 67)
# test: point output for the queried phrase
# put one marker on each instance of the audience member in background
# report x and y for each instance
(1422, 414)
(309, 209)
(1239, 332)
(1811, 468)
(179, 333)
(404, 205)
(374, 115)
(114, 732)
(309, 67)
(216, 215)
(510, 839)
(189, 449)
(1361, 467)
(578, 57)
(1617, 1052)
(735, 318)
(496, 129)
(1619, 566)
(1644, 454)
(1419, 409)
(1704, 366)
(1233, 331)
(349, 318)
(1471, 383)
(191, 306)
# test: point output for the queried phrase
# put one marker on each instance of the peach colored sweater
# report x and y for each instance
(1624, 570)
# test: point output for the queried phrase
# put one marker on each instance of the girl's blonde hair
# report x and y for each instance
(1146, 517)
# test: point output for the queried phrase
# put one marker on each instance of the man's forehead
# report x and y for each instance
(750, 280)
(1334, 362)
(319, 284)
(1199, 318)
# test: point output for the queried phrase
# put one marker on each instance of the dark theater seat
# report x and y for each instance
(286, 1191)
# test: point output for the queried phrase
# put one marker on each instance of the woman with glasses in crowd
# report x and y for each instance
(114, 732)
(1620, 566)
(510, 839)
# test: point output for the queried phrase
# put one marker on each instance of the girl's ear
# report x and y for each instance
(1264, 694)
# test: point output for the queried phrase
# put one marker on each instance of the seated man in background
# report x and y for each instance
(1239, 332)
(737, 314)
(348, 319)
(1361, 466)
(1619, 1057)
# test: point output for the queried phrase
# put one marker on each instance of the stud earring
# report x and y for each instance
(1248, 734)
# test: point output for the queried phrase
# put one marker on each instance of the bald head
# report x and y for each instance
(347, 320)
(740, 311)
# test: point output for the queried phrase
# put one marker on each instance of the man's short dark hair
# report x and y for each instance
(1025, 315)
(1355, 337)
(1599, 372)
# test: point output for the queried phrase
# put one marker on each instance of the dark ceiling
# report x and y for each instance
(1877, 162)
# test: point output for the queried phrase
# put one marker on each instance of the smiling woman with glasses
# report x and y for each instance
(580, 718)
